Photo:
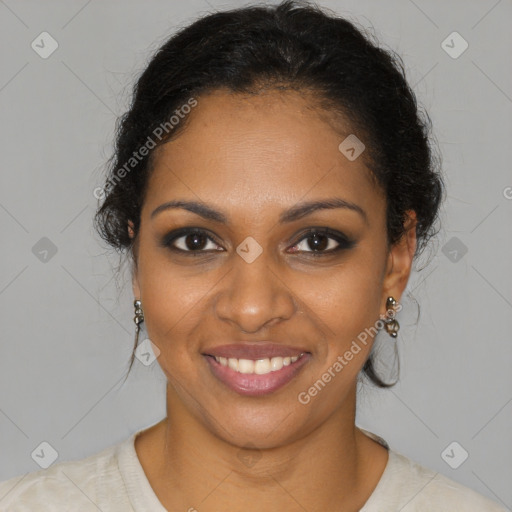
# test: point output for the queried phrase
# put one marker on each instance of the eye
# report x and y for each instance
(317, 242)
(323, 241)
(190, 240)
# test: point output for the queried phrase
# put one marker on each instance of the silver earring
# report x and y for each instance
(390, 322)
(139, 314)
(138, 319)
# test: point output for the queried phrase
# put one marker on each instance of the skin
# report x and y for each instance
(252, 158)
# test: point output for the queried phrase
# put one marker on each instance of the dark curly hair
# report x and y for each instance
(293, 45)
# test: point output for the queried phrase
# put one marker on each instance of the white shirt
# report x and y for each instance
(113, 480)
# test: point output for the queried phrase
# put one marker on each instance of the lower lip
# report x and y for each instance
(251, 384)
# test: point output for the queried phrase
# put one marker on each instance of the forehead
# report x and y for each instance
(255, 152)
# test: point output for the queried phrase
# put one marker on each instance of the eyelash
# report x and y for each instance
(344, 243)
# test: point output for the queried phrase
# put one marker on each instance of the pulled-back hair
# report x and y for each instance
(293, 45)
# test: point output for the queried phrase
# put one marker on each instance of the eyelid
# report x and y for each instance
(170, 238)
(344, 242)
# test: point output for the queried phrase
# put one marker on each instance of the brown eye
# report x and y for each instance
(194, 241)
(190, 240)
(323, 241)
(319, 242)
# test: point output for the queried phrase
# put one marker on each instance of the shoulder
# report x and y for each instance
(80, 484)
(410, 487)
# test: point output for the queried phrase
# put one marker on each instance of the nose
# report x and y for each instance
(254, 296)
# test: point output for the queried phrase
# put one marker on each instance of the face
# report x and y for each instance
(258, 276)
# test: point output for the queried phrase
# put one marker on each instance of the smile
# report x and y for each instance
(256, 377)
(258, 367)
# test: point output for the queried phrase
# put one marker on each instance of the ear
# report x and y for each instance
(399, 262)
(135, 281)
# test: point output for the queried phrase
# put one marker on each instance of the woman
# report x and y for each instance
(273, 182)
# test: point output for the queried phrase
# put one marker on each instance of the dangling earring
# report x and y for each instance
(390, 323)
(138, 318)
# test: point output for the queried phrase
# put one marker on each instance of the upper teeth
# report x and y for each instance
(260, 366)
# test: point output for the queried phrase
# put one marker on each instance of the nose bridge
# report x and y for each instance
(254, 294)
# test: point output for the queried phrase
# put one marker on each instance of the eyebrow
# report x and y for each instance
(294, 213)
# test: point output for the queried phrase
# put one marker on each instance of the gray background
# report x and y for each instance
(66, 324)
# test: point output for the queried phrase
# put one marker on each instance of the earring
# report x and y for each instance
(138, 319)
(390, 323)
(139, 314)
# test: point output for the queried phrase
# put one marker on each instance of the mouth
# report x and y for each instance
(270, 369)
(258, 366)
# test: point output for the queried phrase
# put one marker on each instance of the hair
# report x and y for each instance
(295, 45)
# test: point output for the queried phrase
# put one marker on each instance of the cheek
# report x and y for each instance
(173, 311)
(346, 306)
(173, 299)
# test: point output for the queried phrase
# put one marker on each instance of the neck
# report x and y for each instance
(334, 467)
